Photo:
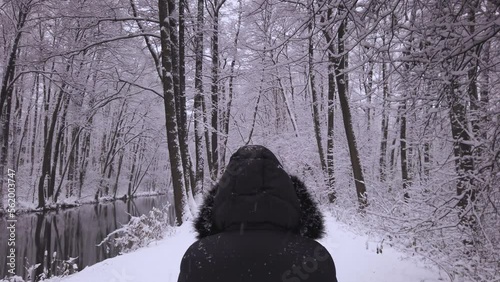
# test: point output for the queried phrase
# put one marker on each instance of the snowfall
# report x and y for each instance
(355, 255)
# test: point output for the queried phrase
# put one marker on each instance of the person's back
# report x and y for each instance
(257, 224)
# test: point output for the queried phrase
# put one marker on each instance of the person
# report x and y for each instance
(257, 224)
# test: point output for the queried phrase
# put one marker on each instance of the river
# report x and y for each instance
(50, 238)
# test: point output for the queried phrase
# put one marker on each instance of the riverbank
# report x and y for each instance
(55, 240)
(357, 258)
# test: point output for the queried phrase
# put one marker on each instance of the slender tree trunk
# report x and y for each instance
(427, 160)
(227, 115)
(57, 149)
(73, 158)
(393, 157)
(34, 126)
(107, 165)
(472, 88)
(331, 105)
(485, 90)
(71, 164)
(288, 107)
(117, 178)
(261, 85)
(183, 128)
(23, 150)
(84, 163)
(368, 90)
(342, 86)
(207, 130)
(198, 99)
(179, 90)
(170, 113)
(315, 110)
(135, 150)
(16, 130)
(85, 152)
(403, 149)
(47, 155)
(331, 126)
(215, 90)
(385, 125)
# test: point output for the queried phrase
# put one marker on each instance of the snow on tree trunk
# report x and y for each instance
(342, 86)
(176, 168)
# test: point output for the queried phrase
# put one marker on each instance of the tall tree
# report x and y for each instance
(214, 120)
(385, 124)
(22, 8)
(176, 167)
(342, 86)
(183, 128)
(232, 76)
(198, 98)
(328, 34)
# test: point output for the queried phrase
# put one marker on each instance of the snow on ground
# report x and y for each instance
(355, 258)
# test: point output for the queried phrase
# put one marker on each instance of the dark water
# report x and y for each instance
(71, 233)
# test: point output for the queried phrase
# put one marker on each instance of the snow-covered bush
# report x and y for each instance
(140, 231)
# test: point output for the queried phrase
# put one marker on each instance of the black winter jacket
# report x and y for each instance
(258, 224)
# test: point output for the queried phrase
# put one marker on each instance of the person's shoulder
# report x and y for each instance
(201, 246)
(314, 263)
(312, 246)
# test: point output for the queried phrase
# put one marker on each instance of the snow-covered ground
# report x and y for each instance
(355, 257)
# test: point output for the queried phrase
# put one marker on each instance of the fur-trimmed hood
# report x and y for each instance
(256, 191)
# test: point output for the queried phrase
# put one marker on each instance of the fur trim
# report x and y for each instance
(204, 223)
(311, 223)
(311, 219)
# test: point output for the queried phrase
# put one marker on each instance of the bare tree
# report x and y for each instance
(170, 113)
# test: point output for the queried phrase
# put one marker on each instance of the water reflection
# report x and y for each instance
(52, 238)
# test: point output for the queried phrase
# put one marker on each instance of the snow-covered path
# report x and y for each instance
(354, 255)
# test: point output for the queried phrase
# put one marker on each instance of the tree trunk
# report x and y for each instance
(207, 129)
(315, 106)
(7, 90)
(403, 149)
(485, 89)
(115, 186)
(384, 126)
(227, 115)
(34, 126)
(368, 85)
(57, 149)
(198, 100)
(472, 73)
(135, 150)
(215, 91)
(183, 128)
(462, 149)
(393, 156)
(170, 113)
(179, 93)
(342, 85)
(47, 153)
(331, 105)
